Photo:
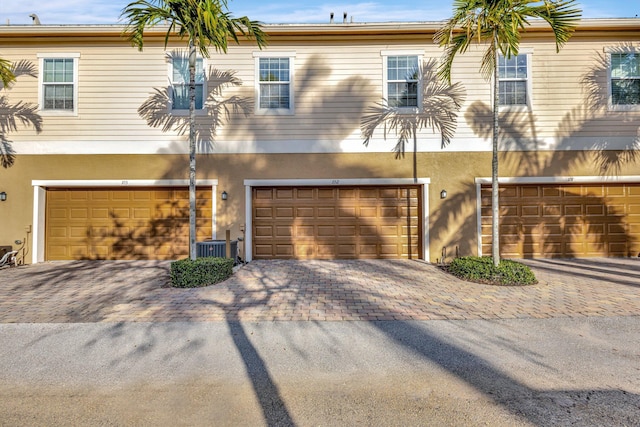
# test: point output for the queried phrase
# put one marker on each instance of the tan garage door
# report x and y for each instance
(116, 223)
(336, 222)
(546, 221)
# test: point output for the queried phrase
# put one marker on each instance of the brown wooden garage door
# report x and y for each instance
(116, 223)
(546, 221)
(336, 222)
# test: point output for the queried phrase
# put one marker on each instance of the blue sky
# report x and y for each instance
(278, 11)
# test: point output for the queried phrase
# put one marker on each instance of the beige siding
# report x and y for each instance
(336, 79)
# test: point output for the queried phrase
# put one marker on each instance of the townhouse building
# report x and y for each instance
(101, 154)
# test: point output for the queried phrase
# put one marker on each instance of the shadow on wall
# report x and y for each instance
(163, 233)
(321, 108)
(158, 111)
(334, 111)
(12, 115)
(522, 152)
(440, 103)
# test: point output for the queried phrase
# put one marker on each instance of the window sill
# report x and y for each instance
(274, 112)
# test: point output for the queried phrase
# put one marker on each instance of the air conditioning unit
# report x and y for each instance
(216, 248)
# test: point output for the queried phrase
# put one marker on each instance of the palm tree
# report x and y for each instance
(497, 24)
(204, 24)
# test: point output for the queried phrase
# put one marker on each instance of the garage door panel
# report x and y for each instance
(326, 212)
(551, 210)
(346, 231)
(348, 251)
(616, 229)
(614, 209)
(287, 212)
(507, 192)
(323, 193)
(368, 212)
(347, 212)
(266, 213)
(573, 220)
(531, 211)
(573, 210)
(633, 210)
(338, 222)
(346, 193)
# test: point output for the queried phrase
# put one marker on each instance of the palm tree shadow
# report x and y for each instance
(157, 109)
(523, 151)
(439, 108)
(274, 409)
(15, 115)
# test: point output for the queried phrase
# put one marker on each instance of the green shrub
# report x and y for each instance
(481, 269)
(187, 273)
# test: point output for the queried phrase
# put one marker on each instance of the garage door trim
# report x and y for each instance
(335, 182)
(39, 200)
(480, 181)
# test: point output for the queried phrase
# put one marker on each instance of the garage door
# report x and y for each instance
(336, 222)
(116, 223)
(546, 221)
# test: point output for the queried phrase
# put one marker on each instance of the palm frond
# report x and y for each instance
(6, 72)
(205, 23)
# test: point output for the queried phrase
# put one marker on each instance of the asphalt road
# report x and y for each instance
(562, 371)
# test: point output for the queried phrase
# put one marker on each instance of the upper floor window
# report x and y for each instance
(402, 80)
(274, 82)
(625, 78)
(513, 75)
(180, 83)
(58, 83)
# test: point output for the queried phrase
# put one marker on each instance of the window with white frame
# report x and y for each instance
(275, 83)
(180, 83)
(58, 83)
(625, 78)
(513, 76)
(402, 80)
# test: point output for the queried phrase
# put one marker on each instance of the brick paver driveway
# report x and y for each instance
(114, 291)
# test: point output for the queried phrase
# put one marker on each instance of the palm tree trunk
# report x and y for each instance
(415, 155)
(495, 207)
(192, 150)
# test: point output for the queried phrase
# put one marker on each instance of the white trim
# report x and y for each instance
(427, 143)
(610, 105)
(425, 249)
(559, 179)
(479, 181)
(274, 53)
(479, 215)
(179, 112)
(402, 52)
(39, 200)
(528, 52)
(336, 182)
(275, 111)
(121, 182)
(57, 55)
(385, 73)
(248, 218)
